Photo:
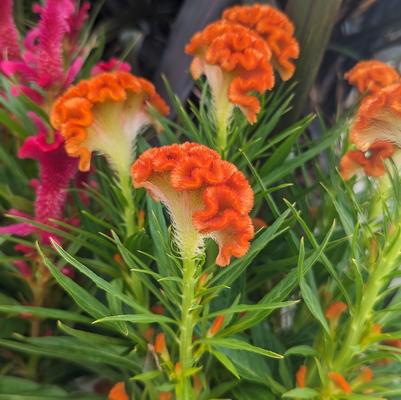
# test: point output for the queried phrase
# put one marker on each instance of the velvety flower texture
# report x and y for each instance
(105, 113)
(371, 76)
(275, 28)
(235, 61)
(39, 58)
(197, 186)
(56, 170)
(376, 128)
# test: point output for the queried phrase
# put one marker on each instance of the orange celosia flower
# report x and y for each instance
(216, 326)
(340, 382)
(371, 162)
(105, 113)
(197, 186)
(300, 376)
(378, 119)
(366, 374)
(160, 343)
(335, 310)
(274, 27)
(371, 76)
(235, 61)
(148, 334)
(393, 343)
(118, 392)
(165, 396)
(157, 309)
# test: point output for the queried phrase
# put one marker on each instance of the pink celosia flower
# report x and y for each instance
(41, 60)
(114, 64)
(9, 47)
(56, 171)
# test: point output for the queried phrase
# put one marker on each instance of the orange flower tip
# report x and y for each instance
(335, 310)
(377, 329)
(236, 63)
(148, 334)
(340, 382)
(300, 376)
(275, 28)
(216, 325)
(371, 76)
(165, 396)
(197, 186)
(370, 162)
(118, 259)
(157, 309)
(178, 369)
(118, 392)
(258, 223)
(378, 119)
(160, 343)
(366, 374)
(393, 343)
(105, 114)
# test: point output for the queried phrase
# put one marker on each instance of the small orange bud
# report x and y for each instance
(216, 326)
(367, 374)
(203, 279)
(258, 223)
(165, 396)
(393, 343)
(148, 334)
(335, 310)
(118, 259)
(178, 369)
(157, 309)
(376, 329)
(300, 376)
(160, 343)
(340, 382)
(118, 392)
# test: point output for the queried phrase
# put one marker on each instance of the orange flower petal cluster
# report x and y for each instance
(371, 162)
(105, 113)
(275, 28)
(197, 185)
(335, 310)
(118, 392)
(300, 376)
(160, 343)
(371, 76)
(235, 61)
(366, 375)
(340, 382)
(378, 119)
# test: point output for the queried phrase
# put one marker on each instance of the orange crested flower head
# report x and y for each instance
(118, 392)
(340, 382)
(371, 76)
(160, 343)
(105, 114)
(378, 119)
(235, 61)
(275, 28)
(300, 376)
(371, 161)
(205, 195)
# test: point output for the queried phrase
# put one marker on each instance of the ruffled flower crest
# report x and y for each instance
(105, 114)
(235, 61)
(275, 28)
(206, 197)
(371, 76)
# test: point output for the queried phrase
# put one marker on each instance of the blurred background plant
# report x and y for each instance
(287, 154)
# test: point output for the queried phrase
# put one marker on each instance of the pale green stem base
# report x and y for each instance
(184, 388)
(129, 208)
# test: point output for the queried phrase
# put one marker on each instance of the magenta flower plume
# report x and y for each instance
(56, 170)
(9, 37)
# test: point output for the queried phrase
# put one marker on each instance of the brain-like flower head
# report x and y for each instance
(378, 119)
(205, 195)
(105, 113)
(274, 27)
(371, 76)
(235, 61)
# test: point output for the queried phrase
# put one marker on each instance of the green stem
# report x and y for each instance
(184, 387)
(129, 208)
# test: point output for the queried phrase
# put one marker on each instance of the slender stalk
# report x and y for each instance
(129, 207)
(184, 387)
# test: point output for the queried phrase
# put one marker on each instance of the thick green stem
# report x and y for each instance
(129, 207)
(184, 387)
